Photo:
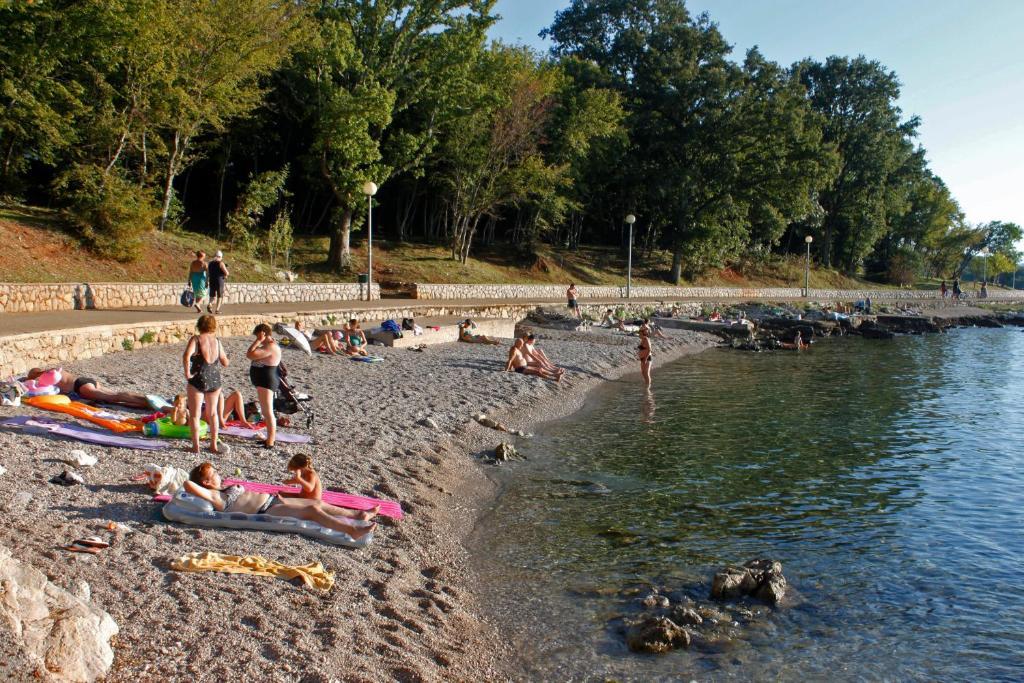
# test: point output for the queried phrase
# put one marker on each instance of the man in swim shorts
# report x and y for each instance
(89, 389)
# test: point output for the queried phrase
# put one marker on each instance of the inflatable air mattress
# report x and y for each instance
(188, 509)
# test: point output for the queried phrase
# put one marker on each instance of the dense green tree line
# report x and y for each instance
(245, 117)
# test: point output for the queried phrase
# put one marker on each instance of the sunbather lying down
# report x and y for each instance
(205, 482)
(89, 389)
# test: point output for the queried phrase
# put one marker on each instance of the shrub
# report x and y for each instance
(904, 267)
(127, 344)
(280, 238)
(110, 213)
(148, 337)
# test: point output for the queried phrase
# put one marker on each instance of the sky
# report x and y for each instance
(958, 61)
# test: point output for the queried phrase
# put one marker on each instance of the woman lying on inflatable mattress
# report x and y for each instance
(204, 482)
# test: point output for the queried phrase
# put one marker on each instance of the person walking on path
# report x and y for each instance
(574, 306)
(942, 289)
(197, 279)
(203, 355)
(956, 289)
(265, 354)
(217, 274)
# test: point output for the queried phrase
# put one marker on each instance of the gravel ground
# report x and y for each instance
(402, 608)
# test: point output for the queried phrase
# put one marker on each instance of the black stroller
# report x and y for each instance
(287, 401)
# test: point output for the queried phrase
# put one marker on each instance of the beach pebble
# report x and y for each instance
(19, 501)
(82, 591)
(429, 422)
(3, 470)
(80, 458)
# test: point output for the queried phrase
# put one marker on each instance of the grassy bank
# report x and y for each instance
(35, 246)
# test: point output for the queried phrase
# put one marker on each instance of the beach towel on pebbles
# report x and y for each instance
(312, 575)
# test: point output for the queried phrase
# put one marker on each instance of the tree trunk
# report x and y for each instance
(7, 159)
(169, 183)
(220, 190)
(339, 254)
(677, 266)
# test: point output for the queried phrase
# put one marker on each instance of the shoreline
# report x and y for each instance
(403, 608)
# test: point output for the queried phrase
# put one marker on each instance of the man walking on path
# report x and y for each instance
(218, 273)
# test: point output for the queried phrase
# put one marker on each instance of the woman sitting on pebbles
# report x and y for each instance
(204, 482)
(466, 334)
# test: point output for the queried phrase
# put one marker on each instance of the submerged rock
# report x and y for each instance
(656, 634)
(505, 452)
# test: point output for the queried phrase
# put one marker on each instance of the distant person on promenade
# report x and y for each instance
(984, 290)
(571, 295)
(956, 289)
(197, 279)
(942, 289)
(218, 273)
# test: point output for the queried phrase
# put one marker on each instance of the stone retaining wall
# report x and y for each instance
(26, 298)
(443, 292)
(20, 352)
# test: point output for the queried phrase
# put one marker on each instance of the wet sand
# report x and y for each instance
(403, 608)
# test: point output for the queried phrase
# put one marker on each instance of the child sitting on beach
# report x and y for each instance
(180, 414)
(303, 474)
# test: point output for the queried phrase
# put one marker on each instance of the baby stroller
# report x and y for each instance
(289, 402)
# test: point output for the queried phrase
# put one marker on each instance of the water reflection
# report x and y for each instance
(878, 472)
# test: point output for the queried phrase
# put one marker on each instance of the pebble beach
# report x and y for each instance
(404, 608)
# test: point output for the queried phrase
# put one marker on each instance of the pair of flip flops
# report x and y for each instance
(91, 545)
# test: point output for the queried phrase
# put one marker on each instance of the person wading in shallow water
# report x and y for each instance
(646, 355)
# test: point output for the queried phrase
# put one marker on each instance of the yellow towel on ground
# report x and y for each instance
(313, 575)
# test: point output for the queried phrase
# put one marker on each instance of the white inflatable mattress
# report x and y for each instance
(189, 509)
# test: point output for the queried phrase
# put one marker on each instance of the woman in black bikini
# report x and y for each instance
(202, 356)
(265, 355)
(646, 355)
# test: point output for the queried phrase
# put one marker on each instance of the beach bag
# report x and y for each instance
(392, 327)
(408, 324)
(188, 299)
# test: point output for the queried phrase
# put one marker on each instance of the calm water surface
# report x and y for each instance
(888, 477)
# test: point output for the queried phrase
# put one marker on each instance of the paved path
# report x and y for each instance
(25, 323)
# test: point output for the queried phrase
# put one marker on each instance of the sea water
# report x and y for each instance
(886, 476)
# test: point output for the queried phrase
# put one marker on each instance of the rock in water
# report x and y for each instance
(656, 634)
(733, 582)
(760, 578)
(505, 452)
(55, 630)
(687, 616)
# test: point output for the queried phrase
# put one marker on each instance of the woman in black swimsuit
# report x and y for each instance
(202, 356)
(646, 355)
(265, 355)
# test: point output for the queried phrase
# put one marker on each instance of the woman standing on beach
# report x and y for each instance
(203, 354)
(646, 355)
(198, 278)
(265, 355)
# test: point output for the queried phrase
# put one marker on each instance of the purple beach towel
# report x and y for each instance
(44, 426)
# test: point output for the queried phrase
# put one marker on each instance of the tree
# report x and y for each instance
(374, 87)
(215, 56)
(858, 98)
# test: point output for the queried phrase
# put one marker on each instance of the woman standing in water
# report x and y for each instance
(646, 354)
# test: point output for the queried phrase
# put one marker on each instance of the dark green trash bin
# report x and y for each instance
(363, 278)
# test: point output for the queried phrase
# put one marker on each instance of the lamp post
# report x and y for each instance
(630, 220)
(807, 267)
(984, 265)
(369, 189)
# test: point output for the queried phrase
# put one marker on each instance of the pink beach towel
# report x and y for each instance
(388, 508)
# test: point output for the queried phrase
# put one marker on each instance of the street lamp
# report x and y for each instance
(984, 265)
(630, 220)
(807, 267)
(369, 189)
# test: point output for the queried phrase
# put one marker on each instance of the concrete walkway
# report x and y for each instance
(27, 323)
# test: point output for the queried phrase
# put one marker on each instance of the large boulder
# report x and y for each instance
(656, 634)
(64, 637)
